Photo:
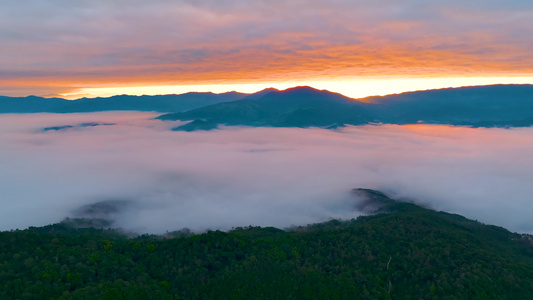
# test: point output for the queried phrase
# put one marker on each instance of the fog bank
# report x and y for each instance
(238, 176)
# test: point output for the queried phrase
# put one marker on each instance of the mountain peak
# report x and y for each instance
(267, 90)
(302, 89)
(262, 93)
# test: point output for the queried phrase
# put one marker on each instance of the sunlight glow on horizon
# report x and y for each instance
(356, 48)
(355, 88)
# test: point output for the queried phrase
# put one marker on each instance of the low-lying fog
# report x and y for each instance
(156, 180)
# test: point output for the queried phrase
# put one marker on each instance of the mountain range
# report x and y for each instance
(478, 106)
(483, 106)
(160, 103)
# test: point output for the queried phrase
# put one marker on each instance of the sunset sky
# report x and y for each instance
(74, 49)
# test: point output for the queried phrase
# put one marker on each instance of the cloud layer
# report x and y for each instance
(57, 46)
(253, 176)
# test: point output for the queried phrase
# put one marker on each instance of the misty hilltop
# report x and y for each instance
(401, 251)
(483, 106)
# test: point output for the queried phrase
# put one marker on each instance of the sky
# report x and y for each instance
(359, 48)
(240, 176)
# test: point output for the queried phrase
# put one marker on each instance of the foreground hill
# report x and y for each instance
(403, 251)
(161, 103)
(482, 106)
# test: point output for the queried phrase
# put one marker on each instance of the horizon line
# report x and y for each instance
(349, 89)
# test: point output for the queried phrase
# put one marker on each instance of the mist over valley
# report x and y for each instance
(160, 180)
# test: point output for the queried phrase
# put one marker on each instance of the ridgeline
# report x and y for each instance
(476, 106)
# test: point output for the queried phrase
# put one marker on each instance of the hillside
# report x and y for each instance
(402, 251)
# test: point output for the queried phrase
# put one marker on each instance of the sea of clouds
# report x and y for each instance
(238, 176)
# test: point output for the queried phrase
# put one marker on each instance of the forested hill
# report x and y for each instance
(403, 251)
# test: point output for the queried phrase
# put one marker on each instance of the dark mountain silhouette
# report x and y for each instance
(30, 104)
(295, 107)
(480, 106)
(160, 103)
(483, 106)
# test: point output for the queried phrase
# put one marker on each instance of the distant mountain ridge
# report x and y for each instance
(487, 106)
(480, 106)
(477, 106)
(159, 103)
(295, 107)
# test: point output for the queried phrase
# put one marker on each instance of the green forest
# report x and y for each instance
(403, 251)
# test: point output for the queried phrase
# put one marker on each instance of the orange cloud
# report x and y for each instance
(190, 43)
